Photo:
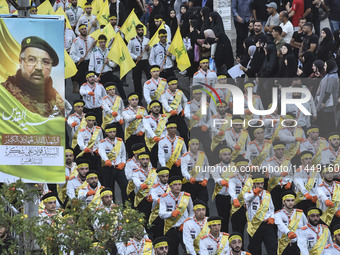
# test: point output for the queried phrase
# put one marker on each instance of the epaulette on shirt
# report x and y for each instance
(129, 243)
(324, 226)
(180, 138)
(337, 182)
(102, 141)
(128, 160)
(225, 234)
(164, 195)
(98, 127)
(142, 107)
(189, 102)
(252, 142)
(214, 116)
(186, 220)
(83, 129)
(148, 82)
(304, 228)
(247, 253)
(147, 117)
(105, 97)
(267, 141)
(322, 138)
(187, 194)
(299, 210)
(163, 79)
(156, 185)
(203, 237)
(327, 246)
(185, 154)
(196, 73)
(119, 139)
(148, 240)
(163, 115)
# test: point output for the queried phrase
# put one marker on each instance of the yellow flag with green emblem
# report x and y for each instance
(129, 26)
(70, 67)
(104, 14)
(120, 54)
(81, 3)
(177, 48)
(61, 12)
(45, 9)
(155, 38)
(4, 7)
(96, 6)
(108, 31)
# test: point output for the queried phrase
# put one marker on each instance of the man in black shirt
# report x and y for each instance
(298, 36)
(310, 42)
(260, 10)
(316, 16)
(258, 36)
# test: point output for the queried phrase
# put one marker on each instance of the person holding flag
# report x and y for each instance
(159, 21)
(171, 149)
(155, 87)
(76, 121)
(288, 221)
(80, 54)
(73, 13)
(61, 3)
(88, 19)
(133, 117)
(138, 47)
(113, 22)
(69, 37)
(113, 154)
(160, 55)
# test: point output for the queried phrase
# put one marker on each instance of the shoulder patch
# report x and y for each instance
(187, 194)
(155, 185)
(148, 82)
(203, 237)
(164, 195)
(304, 228)
(82, 130)
(102, 141)
(299, 210)
(119, 139)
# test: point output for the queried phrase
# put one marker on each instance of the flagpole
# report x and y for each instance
(166, 55)
(141, 55)
(88, 51)
(102, 68)
(92, 25)
(75, 24)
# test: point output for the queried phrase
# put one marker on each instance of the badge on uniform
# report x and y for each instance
(255, 206)
(165, 148)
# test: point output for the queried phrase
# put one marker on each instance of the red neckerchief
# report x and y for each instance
(173, 94)
(203, 72)
(140, 251)
(172, 142)
(192, 156)
(79, 116)
(317, 144)
(312, 228)
(91, 131)
(166, 187)
(289, 215)
(109, 140)
(326, 186)
(244, 179)
(278, 161)
(336, 246)
(234, 133)
(79, 179)
(135, 161)
(143, 172)
(216, 240)
(114, 99)
(49, 215)
(69, 168)
(155, 81)
(133, 110)
(152, 117)
(200, 224)
(176, 198)
(257, 145)
(196, 103)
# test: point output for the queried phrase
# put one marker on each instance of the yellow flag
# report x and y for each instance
(96, 6)
(129, 26)
(70, 67)
(45, 8)
(177, 49)
(81, 3)
(61, 12)
(155, 38)
(104, 14)
(120, 54)
(96, 33)
(4, 7)
(108, 31)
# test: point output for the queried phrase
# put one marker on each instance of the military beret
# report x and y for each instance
(37, 42)
(49, 195)
(174, 178)
(136, 147)
(162, 239)
(172, 78)
(82, 161)
(199, 202)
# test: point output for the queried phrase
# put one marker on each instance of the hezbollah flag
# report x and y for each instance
(104, 14)
(70, 67)
(81, 3)
(177, 49)
(120, 54)
(45, 8)
(129, 26)
(96, 6)
(155, 38)
(108, 31)
(61, 12)
(4, 7)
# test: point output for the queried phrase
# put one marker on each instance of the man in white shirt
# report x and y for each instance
(287, 27)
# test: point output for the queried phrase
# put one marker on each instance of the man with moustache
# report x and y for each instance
(75, 182)
(334, 248)
(91, 190)
(235, 244)
(160, 246)
(32, 85)
(73, 13)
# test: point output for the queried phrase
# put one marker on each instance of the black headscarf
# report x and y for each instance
(331, 66)
(326, 45)
(308, 63)
(217, 23)
(185, 27)
(224, 52)
(156, 10)
(172, 23)
(319, 64)
(270, 64)
(206, 22)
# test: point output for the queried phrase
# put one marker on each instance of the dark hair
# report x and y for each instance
(285, 14)
(256, 21)
(278, 29)
(139, 26)
(310, 25)
(302, 18)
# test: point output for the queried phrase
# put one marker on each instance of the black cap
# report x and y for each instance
(144, 153)
(106, 189)
(331, 134)
(335, 228)
(78, 101)
(235, 234)
(162, 31)
(109, 83)
(139, 26)
(314, 208)
(154, 66)
(102, 37)
(237, 117)
(91, 172)
(112, 125)
(88, 114)
(291, 114)
(37, 42)
(162, 169)
(204, 58)
(137, 147)
(211, 218)
(82, 161)
(174, 178)
(160, 240)
(278, 143)
(133, 94)
(159, 16)
(48, 195)
(288, 192)
(240, 158)
(171, 122)
(306, 153)
(200, 202)
(171, 78)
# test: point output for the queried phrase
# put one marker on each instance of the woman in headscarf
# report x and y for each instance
(172, 22)
(157, 9)
(185, 24)
(216, 23)
(288, 64)
(194, 54)
(326, 45)
(308, 60)
(255, 62)
(327, 97)
(205, 20)
(336, 48)
(223, 56)
(315, 78)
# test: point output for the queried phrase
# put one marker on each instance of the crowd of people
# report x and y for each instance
(275, 175)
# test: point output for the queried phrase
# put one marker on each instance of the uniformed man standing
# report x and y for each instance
(157, 190)
(90, 193)
(174, 102)
(46, 216)
(155, 130)
(306, 180)
(204, 75)
(313, 237)
(236, 244)
(175, 207)
(331, 155)
(334, 248)
(215, 242)
(280, 173)
(160, 55)
(106, 196)
(239, 184)
(133, 118)
(288, 221)
(113, 106)
(73, 13)
(77, 122)
(76, 181)
(159, 19)
(171, 149)
(314, 143)
(138, 48)
(195, 227)
(93, 94)
(328, 193)
(88, 19)
(69, 37)
(80, 54)
(88, 140)
(113, 154)
(155, 87)
(64, 4)
(144, 178)
(261, 223)
(194, 167)
(224, 94)
(113, 22)
(160, 246)
(70, 165)
(139, 245)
